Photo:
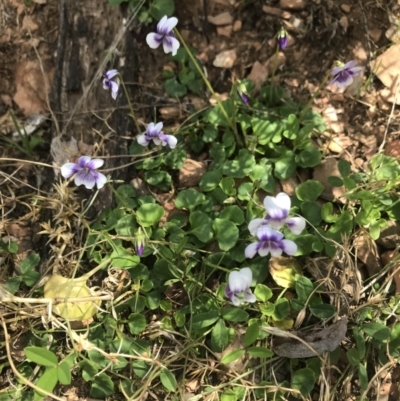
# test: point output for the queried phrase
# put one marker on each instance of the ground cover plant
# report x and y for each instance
(245, 288)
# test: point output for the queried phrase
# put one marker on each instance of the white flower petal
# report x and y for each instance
(157, 141)
(169, 140)
(235, 300)
(169, 24)
(275, 252)
(254, 225)
(246, 277)
(94, 164)
(277, 207)
(250, 297)
(85, 177)
(265, 250)
(110, 74)
(251, 250)
(154, 40)
(289, 246)
(69, 169)
(100, 179)
(158, 127)
(114, 89)
(171, 45)
(161, 24)
(350, 64)
(143, 140)
(296, 224)
(235, 281)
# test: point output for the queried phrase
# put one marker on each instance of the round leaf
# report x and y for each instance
(303, 380)
(226, 233)
(136, 323)
(309, 190)
(150, 214)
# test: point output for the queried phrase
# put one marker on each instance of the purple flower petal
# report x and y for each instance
(100, 179)
(265, 233)
(277, 207)
(110, 74)
(169, 140)
(161, 25)
(289, 247)
(69, 169)
(166, 25)
(114, 89)
(254, 225)
(251, 250)
(250, 297)
(143, 140)
(171, 45)
(157, 141)
(349, 65)
(154, 40)
(85, 177)
(94, 164)
(84, 160)
(296, 224)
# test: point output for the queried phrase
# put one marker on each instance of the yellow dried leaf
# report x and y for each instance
(61, 287)
(283, 271)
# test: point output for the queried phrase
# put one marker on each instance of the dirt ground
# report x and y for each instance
(53, 55)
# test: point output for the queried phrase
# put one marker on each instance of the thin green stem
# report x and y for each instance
(210, 88)
(274, 64)
(130, 105)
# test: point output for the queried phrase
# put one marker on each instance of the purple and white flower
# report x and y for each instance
(242, 92)
(278, 209)
(139, 242)
(165, 36)
(282, 38)
(154, 133)
(270, 241)
(85, 172)
(343, 74)
(111, 82)
(238, 288)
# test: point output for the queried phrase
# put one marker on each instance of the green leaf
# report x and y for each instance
(203, 320)
(265, 129)
(335, 181)
(126, 226)
(360, 341)
(311, 211)
(46, 382)
(292, 127)
(64, 373)
(240, 167)
(344, 168)
(282, 309)
(227, 184)
(353, 356)
(89, 369)
(216, 116)
(260, 352)
(327, 213)
(232, 356)
(122, 259)
(363, 376)
(102, 386)
(175, 158)
(210, 180)
(126, 196)
(234, 214)
(168, 380)
(303, 380)
(376, 330)
(304, 287)
(263, 293)
(136, 323)
(245, 190)
(251, 335)
(219, 336)
(226, 233)
(234, 314)
(189, 199)
(29, 263)
(30, 278)
(323, 311)
(201, 226)
(41, 356)
(309, 157)
(210, 133)
(285, 166)
(174, 88)
(309, 190)
(160, 179)
(149, 214)
(349, 184)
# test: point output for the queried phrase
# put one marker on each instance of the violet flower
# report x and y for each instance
(343, 74)
(165, 36)
(242, 92)
(282, 38)
(154, 133)
(110, 84)
(270, 241)
(85, 172)
(238, 288)
(139, 243)
(278, 209)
